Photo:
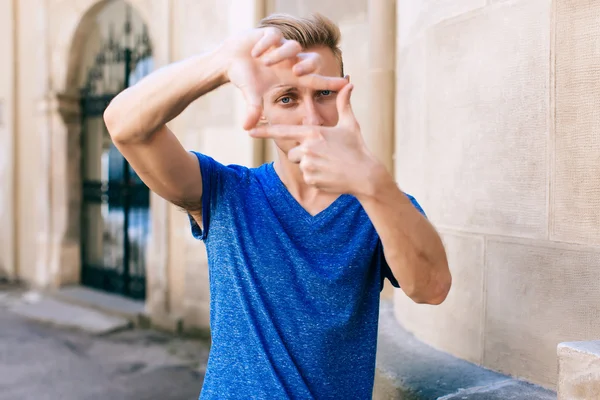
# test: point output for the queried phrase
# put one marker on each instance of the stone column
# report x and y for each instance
(379, 133)
(159, 21)
(382, 49)
(263, 149)
(7, 142)
(59, 192)
(65, 125)
(43, 184)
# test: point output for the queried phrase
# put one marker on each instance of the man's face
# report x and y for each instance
(288, 103)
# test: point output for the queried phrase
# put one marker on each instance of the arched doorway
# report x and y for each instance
(115, 211)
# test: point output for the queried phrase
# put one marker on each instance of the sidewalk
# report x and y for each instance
(50, 362)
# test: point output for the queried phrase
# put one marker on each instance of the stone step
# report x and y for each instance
(410, 369)
(41, 308)
(108, 303)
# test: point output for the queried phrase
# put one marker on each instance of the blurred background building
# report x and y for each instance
(487, 111)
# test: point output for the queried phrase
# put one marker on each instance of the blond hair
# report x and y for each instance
(315, 30)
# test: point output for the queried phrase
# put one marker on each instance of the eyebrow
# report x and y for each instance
(284, 85)
(282, 89)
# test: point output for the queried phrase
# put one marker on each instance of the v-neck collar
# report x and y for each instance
(277, 191)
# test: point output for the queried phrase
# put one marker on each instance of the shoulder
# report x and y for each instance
(223, 172)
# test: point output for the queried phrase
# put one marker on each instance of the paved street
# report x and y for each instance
(42, 362)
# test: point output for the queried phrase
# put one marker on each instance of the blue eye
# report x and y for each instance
(325, 92)
(285, 100)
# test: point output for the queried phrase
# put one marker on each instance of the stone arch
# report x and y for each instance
(72, 39)
(67, 41)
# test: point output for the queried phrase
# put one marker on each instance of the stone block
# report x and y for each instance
(485, 147)
(455, 326)
(579, 370)
(352, 10)
(415, 17)
(201, 26)
(224, 107)
(576, 167)
(538, 295)
(227, 145)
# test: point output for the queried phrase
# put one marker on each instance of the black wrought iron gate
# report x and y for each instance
(115, 213)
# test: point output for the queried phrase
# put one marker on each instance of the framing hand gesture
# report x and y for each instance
(334, 159)
(253, 53)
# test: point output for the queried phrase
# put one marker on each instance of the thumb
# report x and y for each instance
(345, 113)
(254, 108)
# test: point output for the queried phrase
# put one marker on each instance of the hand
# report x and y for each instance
(252, 54)
(333, 159)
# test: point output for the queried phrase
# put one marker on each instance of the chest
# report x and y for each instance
(281, 257)
(333, 247)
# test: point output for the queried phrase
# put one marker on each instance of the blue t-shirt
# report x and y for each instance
(294, 298)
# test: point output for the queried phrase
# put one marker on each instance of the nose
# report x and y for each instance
(311, 114)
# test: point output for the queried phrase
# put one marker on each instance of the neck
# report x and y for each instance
(310, 198)
(291, 176)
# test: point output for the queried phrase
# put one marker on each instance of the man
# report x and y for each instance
(297, 249)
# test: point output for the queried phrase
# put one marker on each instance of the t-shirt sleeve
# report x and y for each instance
(386, 271)
(213, 175)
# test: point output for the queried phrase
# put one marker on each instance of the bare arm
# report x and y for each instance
(336, 160)
(136, 120)
(413, 249)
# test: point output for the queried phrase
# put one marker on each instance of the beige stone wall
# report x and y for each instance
(497, 137)
(7, 140)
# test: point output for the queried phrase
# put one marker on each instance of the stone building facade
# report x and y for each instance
(485, 110)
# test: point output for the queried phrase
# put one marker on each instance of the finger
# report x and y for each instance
(254, 108)
(295, 155)
(320, 82)
(289, 49)
(311, 178)
(271, 37)
(289, 132)
(343, 105)
(307, 63)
